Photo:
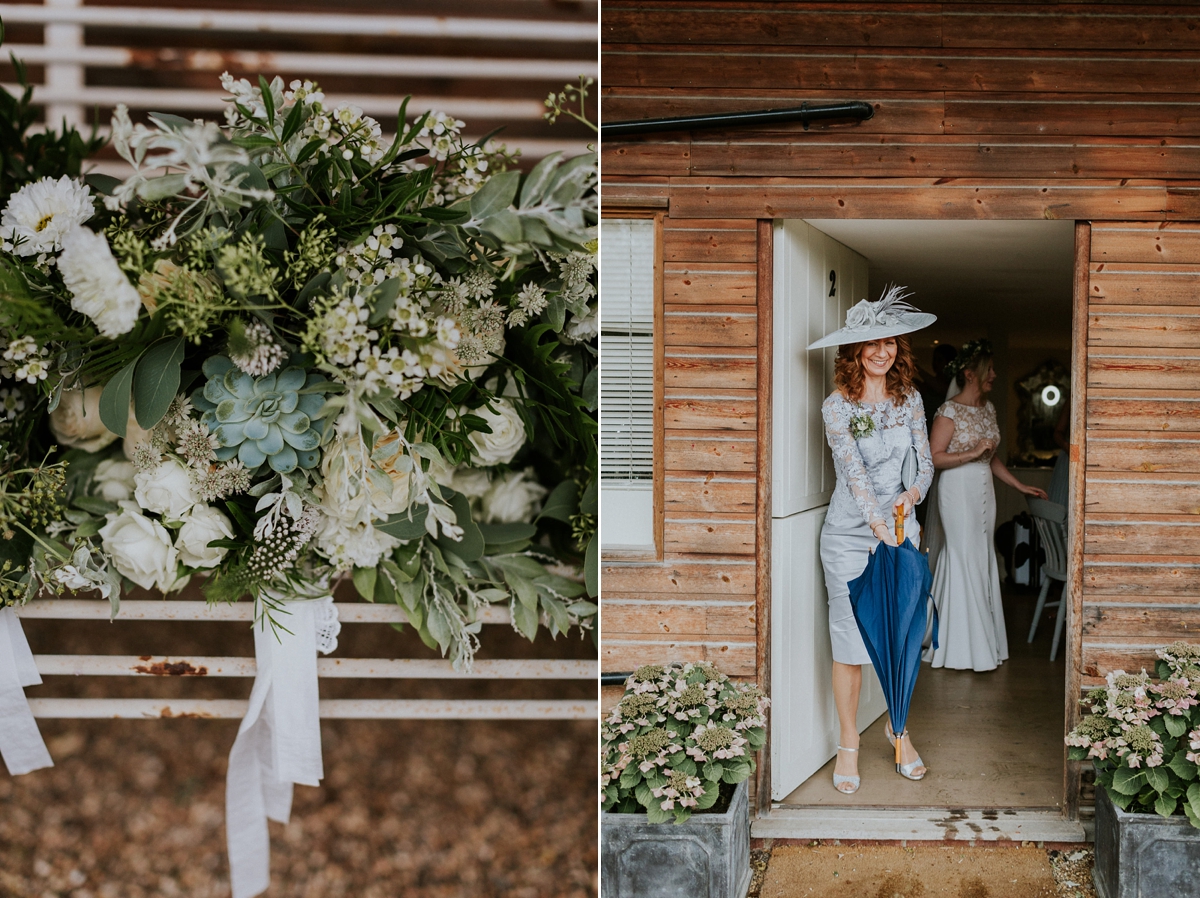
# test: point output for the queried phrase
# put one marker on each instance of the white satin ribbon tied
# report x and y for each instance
(279, 741)
(21, 742)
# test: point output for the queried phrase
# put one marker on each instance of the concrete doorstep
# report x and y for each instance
(998, 870)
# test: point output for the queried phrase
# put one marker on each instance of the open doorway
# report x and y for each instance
(991, 740)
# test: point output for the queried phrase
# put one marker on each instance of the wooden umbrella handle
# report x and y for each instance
(899, 512)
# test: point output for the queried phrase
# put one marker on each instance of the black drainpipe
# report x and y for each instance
(615, 678)
(855, 110)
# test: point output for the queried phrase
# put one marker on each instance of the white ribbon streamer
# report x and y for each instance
(21, 742)
(279, 741)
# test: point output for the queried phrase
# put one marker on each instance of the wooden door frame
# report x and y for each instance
(765, 300)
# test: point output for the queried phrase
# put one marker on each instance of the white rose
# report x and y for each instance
(513, 498)
(471, 482)
(114, 480)
(506, 438)
(76, 422)
(348, 545)
(140, 548)
(166, 490)
(201, 526)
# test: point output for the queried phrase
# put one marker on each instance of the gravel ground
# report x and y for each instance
(920, 871)
(135, 809)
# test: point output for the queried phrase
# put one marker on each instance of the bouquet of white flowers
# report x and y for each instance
(287, 349)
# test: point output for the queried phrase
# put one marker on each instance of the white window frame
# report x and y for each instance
(631, 512)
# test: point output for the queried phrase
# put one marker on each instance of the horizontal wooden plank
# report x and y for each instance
(711, 450)
(1062, 114)
(728, 620)
(710, 326)
(1153, 575)
(1166, 243)
(709, 492)
(749, 66)
(743, 153)
(1136, 451)
(1150, 284)
(931, 198)
(1157, 326)
(1079, 27)
(709, 283)
(1177, 410)
(1146, 367)
(1141, 534)
(1124, 619)
(690, 412)
(709, 244)
(709, 533)
(1129, 491)
(697, 368)
(1100, 657)
(851, 25)
(624, 653)
(633, 193)
(896, 112)
(679, 578)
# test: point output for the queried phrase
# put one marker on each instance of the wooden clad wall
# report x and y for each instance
(698, 603)
(1067, 110)
(1141, 568)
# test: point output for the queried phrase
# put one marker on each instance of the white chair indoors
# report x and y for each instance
(1050, 518)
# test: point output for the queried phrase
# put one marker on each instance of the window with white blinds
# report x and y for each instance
(627, 384)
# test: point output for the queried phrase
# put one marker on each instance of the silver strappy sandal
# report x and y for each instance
(905, 770)
(839, 780)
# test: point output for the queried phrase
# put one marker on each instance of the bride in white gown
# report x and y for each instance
(966, 580)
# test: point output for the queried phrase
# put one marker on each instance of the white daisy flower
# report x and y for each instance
(99, 287)
(41, 214)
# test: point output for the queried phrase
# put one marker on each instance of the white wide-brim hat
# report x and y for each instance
(888, 316)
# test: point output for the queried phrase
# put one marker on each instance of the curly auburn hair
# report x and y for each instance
(850, 379)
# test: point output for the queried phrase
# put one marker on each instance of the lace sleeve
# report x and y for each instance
(847, 460)
(920, 441)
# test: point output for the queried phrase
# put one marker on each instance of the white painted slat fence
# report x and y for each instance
(66, 93)
(180, 667)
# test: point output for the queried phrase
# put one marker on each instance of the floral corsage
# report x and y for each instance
(862, 425)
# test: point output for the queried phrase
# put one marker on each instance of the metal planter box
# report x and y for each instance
(1144, 855)
(707, 857)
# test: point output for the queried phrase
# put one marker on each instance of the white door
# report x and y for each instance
(816, 280)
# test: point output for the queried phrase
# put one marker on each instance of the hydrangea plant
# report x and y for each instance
(1143, 736)
(679, 733)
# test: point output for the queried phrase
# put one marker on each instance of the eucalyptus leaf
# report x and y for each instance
(562, 502)
(470, 547)
(591, 568)
(496, 534)
(364, 582)
(525, 619)
(115, 398)
(156, 381)
(399, 526)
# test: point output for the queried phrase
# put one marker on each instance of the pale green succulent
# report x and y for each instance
(261, 419)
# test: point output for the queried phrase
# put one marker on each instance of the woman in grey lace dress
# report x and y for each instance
(872, 421)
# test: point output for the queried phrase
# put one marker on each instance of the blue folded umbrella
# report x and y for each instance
(889, 600)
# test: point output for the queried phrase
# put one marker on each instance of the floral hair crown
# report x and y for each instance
(970, 352)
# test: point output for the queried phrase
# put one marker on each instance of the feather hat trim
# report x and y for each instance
(888, 316)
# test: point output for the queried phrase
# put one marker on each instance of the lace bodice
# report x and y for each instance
(868, 468)
(971, 424)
